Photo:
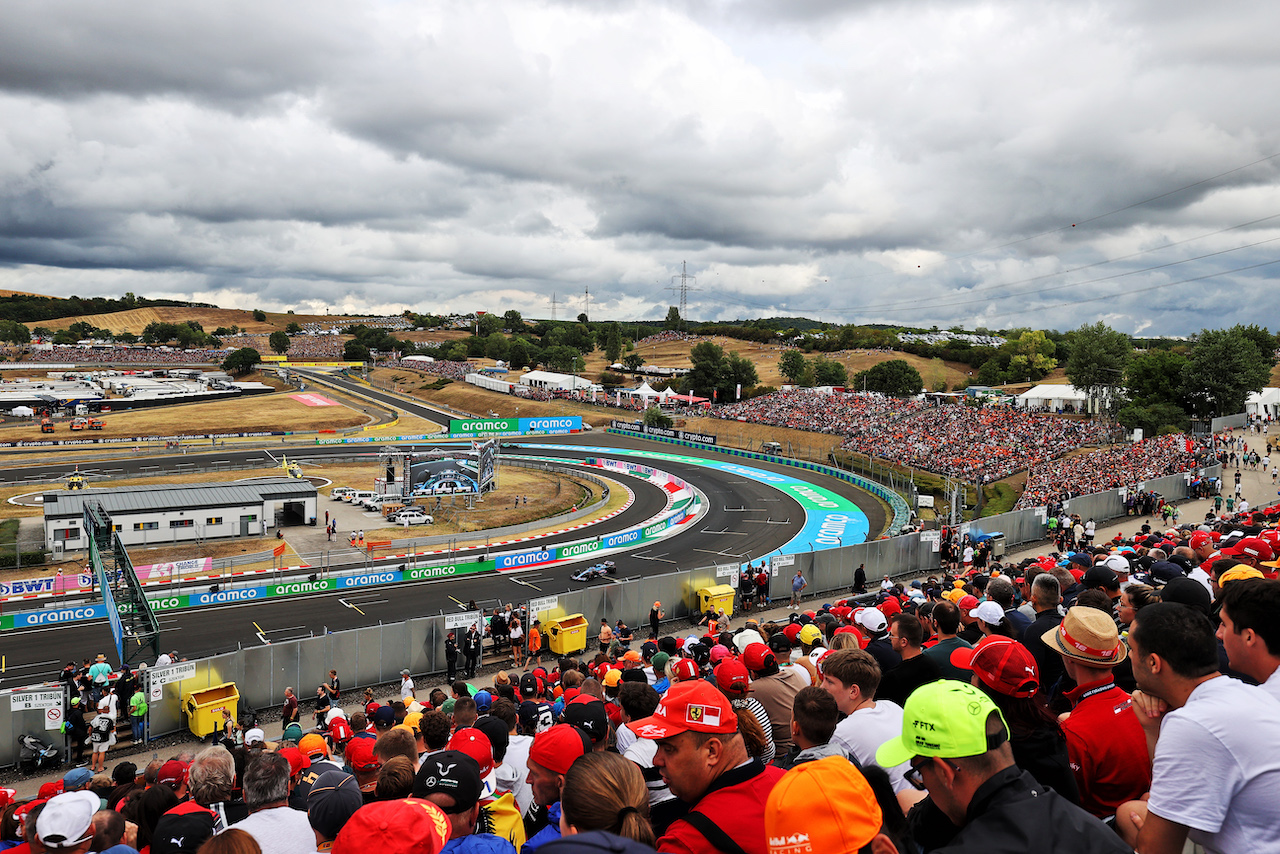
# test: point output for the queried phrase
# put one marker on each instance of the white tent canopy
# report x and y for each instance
(1053, 397)
(1265, 402)
(22, 411)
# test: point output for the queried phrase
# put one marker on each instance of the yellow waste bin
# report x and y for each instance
(204, 708)
(567, 635)
(714, 598)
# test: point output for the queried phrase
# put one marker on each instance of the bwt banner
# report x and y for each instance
(50, 584)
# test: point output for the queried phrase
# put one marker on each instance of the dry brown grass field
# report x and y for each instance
(135, 320)
(549, 494)
(675, 354)
(248, 414)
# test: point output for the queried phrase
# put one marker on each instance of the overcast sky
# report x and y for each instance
(980, 164)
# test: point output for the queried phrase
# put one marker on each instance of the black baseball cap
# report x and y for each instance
(588, 714)
(333, 799)
(453, 773)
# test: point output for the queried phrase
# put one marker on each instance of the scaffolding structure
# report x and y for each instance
(133, 623)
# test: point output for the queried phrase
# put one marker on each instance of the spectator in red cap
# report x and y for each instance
(1251, 551)
(405, 826)
(174, 775)
(734, 682)
(970, 632)
(775, 688)
(1007, 673)
(703, 760)
(550, 756)
(364, 765)
(1105, 742)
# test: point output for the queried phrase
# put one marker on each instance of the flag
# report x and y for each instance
(738, 394)
(279, 550)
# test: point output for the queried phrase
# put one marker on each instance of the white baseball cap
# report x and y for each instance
(67, 819)
(872, 619)
(989, 612)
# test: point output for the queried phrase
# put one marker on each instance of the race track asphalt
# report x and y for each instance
(731, 530)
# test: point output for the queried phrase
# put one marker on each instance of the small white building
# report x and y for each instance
(556, 382)
(175, 512)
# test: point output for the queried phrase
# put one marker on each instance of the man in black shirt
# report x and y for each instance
(1045, 595)
(906, 633)
(323, 705)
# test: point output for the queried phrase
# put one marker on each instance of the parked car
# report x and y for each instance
(374, 502)
(357, 497)
(338, 493)
(414, 518)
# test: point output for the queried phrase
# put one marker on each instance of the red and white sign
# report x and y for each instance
(314, 400)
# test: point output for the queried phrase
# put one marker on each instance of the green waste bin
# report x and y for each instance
(714, 598)
(567, 635)
(204, 708)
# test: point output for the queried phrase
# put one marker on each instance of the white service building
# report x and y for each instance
(177, 512)
(556, 382)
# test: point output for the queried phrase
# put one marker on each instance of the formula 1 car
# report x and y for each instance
(600, 570)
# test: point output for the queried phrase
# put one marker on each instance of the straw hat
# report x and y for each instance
(1088, 636)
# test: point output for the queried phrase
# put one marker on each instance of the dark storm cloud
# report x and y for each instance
(904, 162)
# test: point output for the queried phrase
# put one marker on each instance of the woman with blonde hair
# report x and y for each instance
(605, 791)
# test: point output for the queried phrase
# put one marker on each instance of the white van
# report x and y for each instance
(358, 496)
(338, 493)
(376, 501)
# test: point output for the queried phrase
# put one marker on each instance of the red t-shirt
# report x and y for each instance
(736, 804)
(1107, 747)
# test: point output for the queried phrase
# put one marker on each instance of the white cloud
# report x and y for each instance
(912, 163)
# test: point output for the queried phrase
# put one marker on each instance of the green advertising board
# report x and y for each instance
(484, 425)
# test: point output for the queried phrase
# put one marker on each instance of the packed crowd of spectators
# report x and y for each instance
(139, 354)
(1070, 702)
(328, 347)
(1107, 468)
(978, 445)
(665, 337)
(441, 368)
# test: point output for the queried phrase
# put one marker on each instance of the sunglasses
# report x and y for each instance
(915, 772)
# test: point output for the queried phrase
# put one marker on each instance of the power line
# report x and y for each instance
(683, 288)
(1088, 220)
(1148, 288)
(914, 305)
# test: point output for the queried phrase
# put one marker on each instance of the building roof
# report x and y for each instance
(1051, 391)
(177, 496)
